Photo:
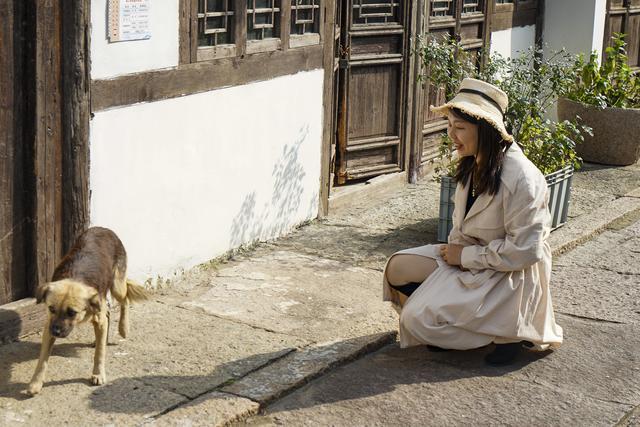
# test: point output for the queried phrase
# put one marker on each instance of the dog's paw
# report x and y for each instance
(98, 379)
(123, 330)
(34, 388)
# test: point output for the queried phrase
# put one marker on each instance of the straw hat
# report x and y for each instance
(480, 100)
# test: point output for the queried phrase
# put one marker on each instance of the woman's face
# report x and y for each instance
(463, 134)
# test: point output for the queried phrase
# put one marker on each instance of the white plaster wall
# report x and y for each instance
(115, 59)
(576, 25)
(513, 40)
(183, 180)
(599, 19)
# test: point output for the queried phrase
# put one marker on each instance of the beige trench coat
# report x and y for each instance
(504, 296)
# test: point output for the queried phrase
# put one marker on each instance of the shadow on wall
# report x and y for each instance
(255, 222)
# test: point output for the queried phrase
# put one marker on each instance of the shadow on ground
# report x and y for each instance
(392, 367)
(23, 351)
(397, 367)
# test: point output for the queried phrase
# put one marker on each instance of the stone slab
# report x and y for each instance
(580, 229)
(300, 367)
(597, 359)
(314, 298)
(73, 402)
(597, 294)
(172, 355)
(590, 282)
(407, 388)
(212, 409)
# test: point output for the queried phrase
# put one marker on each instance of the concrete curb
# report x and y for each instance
(250, 394)
(587, 226)
(253, 392)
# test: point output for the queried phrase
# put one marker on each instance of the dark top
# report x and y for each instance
(470, 197)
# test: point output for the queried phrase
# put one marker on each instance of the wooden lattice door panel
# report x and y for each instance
(465, 21)
(373, 66)
(623, 16)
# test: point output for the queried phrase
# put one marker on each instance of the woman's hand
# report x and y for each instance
(451, 253)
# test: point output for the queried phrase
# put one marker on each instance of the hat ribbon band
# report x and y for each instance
(485, 96)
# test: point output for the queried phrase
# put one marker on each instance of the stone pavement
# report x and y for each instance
(593, 379)
(227, 339)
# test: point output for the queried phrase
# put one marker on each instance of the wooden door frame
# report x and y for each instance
(57, 137)
(417, 114)
(328, 107)
(409, 19)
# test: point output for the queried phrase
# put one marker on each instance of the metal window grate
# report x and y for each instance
(442, 8)
(215, 22)
(305, 16)
(263, 19)
(505, 1)
(376, 11)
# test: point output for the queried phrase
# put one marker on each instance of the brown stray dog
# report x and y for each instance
(78, 293)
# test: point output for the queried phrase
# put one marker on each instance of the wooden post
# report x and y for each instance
(540, 24)
(48, 138)
(76, 83)
(411, 93)
(327, 29)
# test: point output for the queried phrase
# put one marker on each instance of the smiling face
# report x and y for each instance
(464, 135)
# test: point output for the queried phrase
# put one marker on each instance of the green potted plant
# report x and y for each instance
(533, 85)
(607, 98)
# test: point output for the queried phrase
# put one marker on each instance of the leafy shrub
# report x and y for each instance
(532, 84)
(610, 84)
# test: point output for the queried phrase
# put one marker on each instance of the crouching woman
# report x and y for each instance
(490, 283)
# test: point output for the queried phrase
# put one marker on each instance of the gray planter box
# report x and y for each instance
(447, 194)
(559, 184)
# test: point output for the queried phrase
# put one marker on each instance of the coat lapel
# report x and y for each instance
(479, 205)
(507, 178)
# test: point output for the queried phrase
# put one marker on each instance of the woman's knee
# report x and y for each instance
(395, 271)
(408, 268)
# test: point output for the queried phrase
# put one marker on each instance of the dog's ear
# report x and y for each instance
(41, 292)
(95, 302)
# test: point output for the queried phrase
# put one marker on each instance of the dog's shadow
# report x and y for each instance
(19, 352)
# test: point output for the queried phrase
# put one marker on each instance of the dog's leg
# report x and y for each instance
(123, 326)
(119, 292)
(100, 326)
(45, 351)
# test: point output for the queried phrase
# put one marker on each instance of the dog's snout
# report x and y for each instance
(59, 331)
(56, 330)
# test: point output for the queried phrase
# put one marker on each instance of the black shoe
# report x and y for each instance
(503, 354)
(436, 349)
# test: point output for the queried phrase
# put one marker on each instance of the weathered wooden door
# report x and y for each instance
(373, 50)
(623, 16)
(43, 147)
(15, 220)
(466, 21)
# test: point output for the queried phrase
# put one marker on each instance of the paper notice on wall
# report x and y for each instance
(129, 20)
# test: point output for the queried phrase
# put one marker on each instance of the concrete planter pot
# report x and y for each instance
(559, 184)
(615, 139)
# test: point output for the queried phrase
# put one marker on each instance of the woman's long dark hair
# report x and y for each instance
(491, 152)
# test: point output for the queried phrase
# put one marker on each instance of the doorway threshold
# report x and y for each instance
(364, 193)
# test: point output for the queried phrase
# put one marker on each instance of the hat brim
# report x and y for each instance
(481, 112)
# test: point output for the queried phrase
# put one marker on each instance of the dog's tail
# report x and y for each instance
(136, 292)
